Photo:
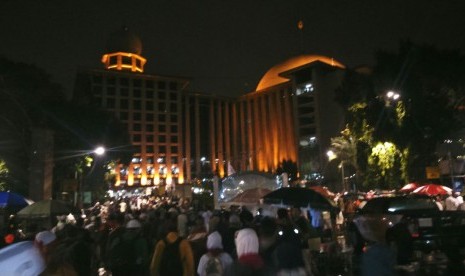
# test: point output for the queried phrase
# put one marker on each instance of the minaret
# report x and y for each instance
(123, 52)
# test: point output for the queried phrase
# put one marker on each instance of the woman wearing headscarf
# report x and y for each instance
(248, 262)
(215, 255)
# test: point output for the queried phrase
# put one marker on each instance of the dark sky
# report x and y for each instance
(225, 46)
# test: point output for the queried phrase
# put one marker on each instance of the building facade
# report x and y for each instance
(183, 136)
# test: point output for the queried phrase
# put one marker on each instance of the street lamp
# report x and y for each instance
(391, 96)
(99, 151)
(331, 156)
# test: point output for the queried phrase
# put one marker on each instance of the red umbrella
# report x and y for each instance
(323, 190)
(432, 189)
(409, 188)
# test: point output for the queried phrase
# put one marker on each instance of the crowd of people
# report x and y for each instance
(175, 237)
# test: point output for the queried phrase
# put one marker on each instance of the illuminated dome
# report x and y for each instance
(272, 76)
(124, 41)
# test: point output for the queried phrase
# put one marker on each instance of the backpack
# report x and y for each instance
(170, 263)
(214, 267)
(121, 253)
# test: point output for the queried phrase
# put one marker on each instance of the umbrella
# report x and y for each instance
(409, 188)
(47, 208)
(13, 200)
(251, 195)
(323, 190)
(432, 189)
(302, 197)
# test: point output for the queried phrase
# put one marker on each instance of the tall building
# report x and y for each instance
(185, 135)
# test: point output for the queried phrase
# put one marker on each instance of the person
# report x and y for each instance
(289, 260)
(451, 202)
(379, 259)
(55, 263)
(172, 255)
(249, 261)
(268, 240)
(115, 255)
(215, 260)
(140, 254)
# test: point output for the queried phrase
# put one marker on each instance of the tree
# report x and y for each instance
(4, 186)
(431, 85)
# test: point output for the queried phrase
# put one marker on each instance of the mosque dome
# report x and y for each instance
(273, 75)
(124, 40)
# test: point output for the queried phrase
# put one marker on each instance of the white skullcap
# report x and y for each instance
(246, 242)
(214, 241)
(45, 237)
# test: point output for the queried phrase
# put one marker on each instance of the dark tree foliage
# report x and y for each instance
(29, 99)
(429, 81)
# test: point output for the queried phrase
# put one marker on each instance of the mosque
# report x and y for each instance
(183, 136)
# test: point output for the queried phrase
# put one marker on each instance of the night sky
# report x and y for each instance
(224, 46)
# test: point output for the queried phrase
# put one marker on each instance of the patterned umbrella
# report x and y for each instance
(409, 188)
(13, 200)
(432, 189)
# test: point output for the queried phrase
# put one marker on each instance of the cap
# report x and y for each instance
(45, 237)
(133, 223)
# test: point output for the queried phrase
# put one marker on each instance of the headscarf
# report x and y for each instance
(214, 241)
(246, 242)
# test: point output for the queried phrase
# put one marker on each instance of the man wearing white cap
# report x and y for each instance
(215, 259)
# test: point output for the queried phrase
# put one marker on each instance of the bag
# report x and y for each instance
(121, 253)
(214, 266)
(170, 263)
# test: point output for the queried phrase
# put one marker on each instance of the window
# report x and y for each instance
(162, 128)
(136, 138)
(136, 116)
(97, 90)
(174, 149)
(162, 149)
(162, 107)
(149, 105)
(111, 81)
(111, 91)
(173, 85)
(136, 93)
(161, 95)
(136, 104)
(149, 94)
(136, 127)
(174, 139)
(123, 116)
(162, 139)
(126, 60)
(149, 138)
(149, 149)
(124, 82)
(173, 118)
(149, 117)
(123, 104)
(149, 84)
(97, 79)
(161, 117)
(173, 96)
(149, 127)
(174, 129)
(110, 103)
(113, 60)
(173, 107)
(161, 85)
(124, 92)
(137, 82)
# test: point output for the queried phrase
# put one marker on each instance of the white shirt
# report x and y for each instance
(451, 203)
(224, 257)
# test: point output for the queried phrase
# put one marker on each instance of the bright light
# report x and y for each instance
(99, 150)
(203, 159)
(331, 155)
